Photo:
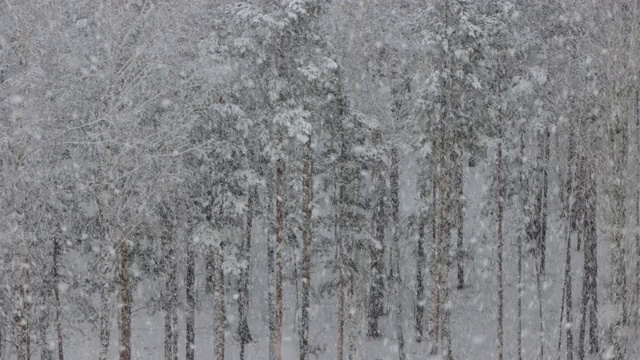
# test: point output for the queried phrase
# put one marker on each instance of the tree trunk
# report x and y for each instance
(542, 236)
(43, 326)
(244, 333)
(459, 202)
(221, 316)
(306, 251)
(500, 214)
(170, 298)
(191, 301)
(280, 223)
(105, 302)
(56, 294)
(540, 318)
(125, 302)
(434, 316)
(521, 238)
(22, 330)
(445, 192)
(376, 289)
(397, 278)
(341, 296)
(420, 264)
(619, 152)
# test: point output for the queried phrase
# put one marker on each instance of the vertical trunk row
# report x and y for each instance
(125, 302)
(500, 214)
(306, 251)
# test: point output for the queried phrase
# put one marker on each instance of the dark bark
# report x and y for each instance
(420, 264)
(56, 294)
(376, 290)
(125, 302)
(500, 214)
(244, 333)
(306, 251)
(191, 301)
(220, 309)
(459, 201)
(397, 278)
(521, 238)
(280, 231)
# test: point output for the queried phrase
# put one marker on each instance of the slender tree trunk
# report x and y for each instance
(244, 333)
(445, 191)
(376, 290)
(397, 279)
(568, 308)
(542, 238)
(22, 329)
(619, 145)
(341, 296)
(568, 210)
(221, 316)
(191, 301)
(591, 266)
(174, 304)
(280, 219)
(170, 297)
(459, 201)
(105, 302)
(270, 299)
(125, 302)
(520, 240)
(56, 293)
(2, 329)
(434, 316)
(540, 318)
(168, 339)
(420, 264)
(500, 214)
(306, 251)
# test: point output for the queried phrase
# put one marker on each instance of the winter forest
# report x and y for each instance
(315, 179)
